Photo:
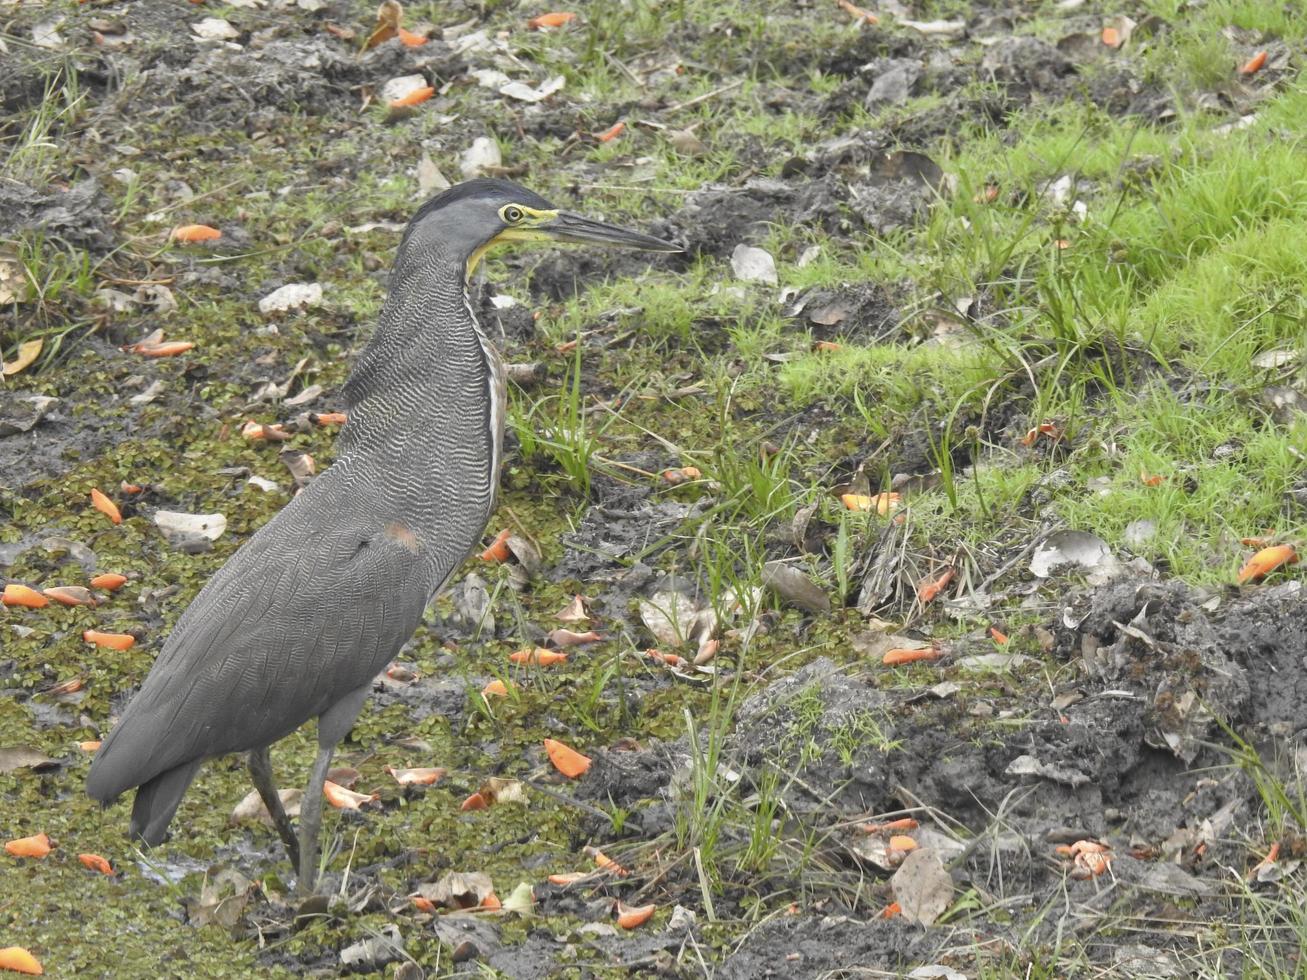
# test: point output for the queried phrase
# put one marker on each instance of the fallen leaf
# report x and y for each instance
(70, 686)
(345, 799)
(388, 17)
(111, 641)
(795, 587)
(1078, 548)
(15, 757)
(498, 549)
(566, 760)
(538, 657)
(752, 264)
(28, 352)
(497, 789)
(491, 903)
(109, 581)
(96, 863)
(195, 233)
(630, 918)
(417, 777)
(172, 522)
(898, 657)
(575, 611)
(549, 20)
(521, 900)
(36, 846)
(70, 595)
(1266, 561)
(1254, 64)
(106, 506)
(18, 960)
(21, 595)
(922, 887)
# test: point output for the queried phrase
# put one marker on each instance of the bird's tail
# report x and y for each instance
(157, 800)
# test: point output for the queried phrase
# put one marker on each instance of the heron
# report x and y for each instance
(300, 620)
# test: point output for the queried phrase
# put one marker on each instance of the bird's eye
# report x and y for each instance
(513, 214)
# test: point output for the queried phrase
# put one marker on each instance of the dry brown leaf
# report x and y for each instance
(28, 352)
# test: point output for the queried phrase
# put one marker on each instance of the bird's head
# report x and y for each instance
(468, 219)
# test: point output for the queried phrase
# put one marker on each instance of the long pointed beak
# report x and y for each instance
(569, 227)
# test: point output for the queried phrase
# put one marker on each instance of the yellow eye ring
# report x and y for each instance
(512, 214)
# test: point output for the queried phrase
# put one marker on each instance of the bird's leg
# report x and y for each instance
(261, 773)
(333, 725)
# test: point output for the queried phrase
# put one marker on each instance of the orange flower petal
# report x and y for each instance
(630, 918)
(496, 689)
(330, 418)
(91, 746)
(566, 760)
(606, 863)
(96, 863)
(928, 589)
(36, 846)
(539, 656)
(1111, 37)
(417, 777)
(554, 19)
(412, 40)
(903, 823)
(1254, 64)
(18, 960)
(345, 799)
(423, 904)
(498, 550)
(902, 842)
(891, 910)
(999, 636)
(857, 12)
(569, 878)
(612, 132)
(416, 97)
(474, 802)
(106, 506)
(491, 903)
(195, 233)
(114, 641)
(169, 348)
(1266, 561)
(881, 503)
(70, 595)
(21, 595)
(898, 657)
(109, 581)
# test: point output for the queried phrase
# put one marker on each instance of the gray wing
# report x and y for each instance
(302, 614)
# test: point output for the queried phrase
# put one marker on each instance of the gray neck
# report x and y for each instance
(425, 405)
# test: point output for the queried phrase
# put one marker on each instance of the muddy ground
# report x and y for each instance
(1139, 713)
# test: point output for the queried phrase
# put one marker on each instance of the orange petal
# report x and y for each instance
(170, 348)
(345, 799)
(114, 641)
(857, 12)
(417, 777)
(496, 689)
(901, 842)
(554, 19)
(629, 918)
(928, 589)
(195, 233)
(999, 636)
(569, 638)
(96, 863)
(603, 861)
(569, 878)
(670, 659)
(881, 503)
(491, 903)
(36, 846)
(423, 904)
(475, 802)
(683, 474)
(109, 581)
(539, 656)
(612, 132)
(1111, 37)
(106, 506)
(895, 658)
(1254, 64)
(19, 960)
(827, 346)
(891, 910)
(416, 97)
(566, 760)
(1266, 561)
(412, 40)
(70, 595)
(330, 418)
(903, 823)
(21, 595)
(92, 746)
(498, 550)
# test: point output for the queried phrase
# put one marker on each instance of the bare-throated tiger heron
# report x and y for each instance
(299, 621)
